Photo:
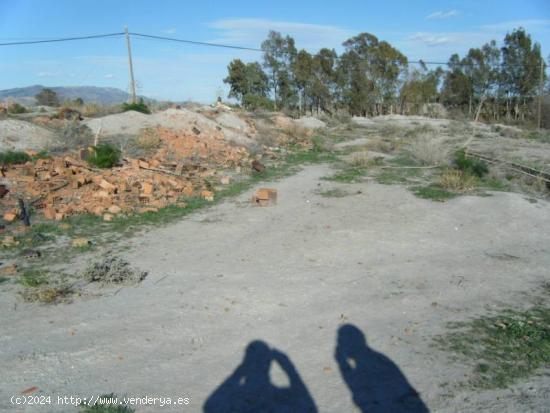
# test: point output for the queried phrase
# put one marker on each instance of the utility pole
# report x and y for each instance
(541, 88)
(130, 65)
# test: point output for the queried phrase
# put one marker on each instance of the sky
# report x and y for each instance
(420, 29)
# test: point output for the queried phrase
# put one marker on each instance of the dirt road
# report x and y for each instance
(393, 266)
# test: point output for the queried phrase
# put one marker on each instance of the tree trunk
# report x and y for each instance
(478, 111)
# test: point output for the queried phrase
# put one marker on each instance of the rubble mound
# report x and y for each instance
(310, 122)
(19, 135)
(185, 165)
(125, 123)
(113, 270)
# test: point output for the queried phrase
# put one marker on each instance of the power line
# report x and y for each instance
(210, 44)
(64, 39)
(172, 39)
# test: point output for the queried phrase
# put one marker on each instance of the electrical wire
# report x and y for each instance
(64, 39)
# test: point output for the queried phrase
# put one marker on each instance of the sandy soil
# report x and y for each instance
(395, 266)
(19, 135)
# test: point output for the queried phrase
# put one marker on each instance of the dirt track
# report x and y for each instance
(395, 266)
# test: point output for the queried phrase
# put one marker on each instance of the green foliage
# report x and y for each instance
(13, 157)
(505, 347)
(16, 108)
(33, 278)
(138, 107)
(474, 166)
(47, 97)
(105, 156)
(249, 84)
(348, 175)
(432, 192)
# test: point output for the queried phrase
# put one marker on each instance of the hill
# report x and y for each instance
(103, 95)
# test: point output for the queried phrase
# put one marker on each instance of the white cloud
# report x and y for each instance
(442, 14)
(251, 32)
(109, 76)
(170, 30)
(514, 24)
(431, 39)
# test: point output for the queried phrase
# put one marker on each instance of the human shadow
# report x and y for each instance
(249, 388)
(376, 383)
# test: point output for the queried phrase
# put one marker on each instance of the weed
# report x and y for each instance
(113, 270)
(72, 135)
(333, 193)
(427, 150)
(13, 157)
(33, 278)
(47, 294)
(432, 192)
(15, 108)
(105, 156)
(541, 136)
(347, 175)
(474, 166)
(138, 107)
(363, 159)
(457, 181)
(505, 347)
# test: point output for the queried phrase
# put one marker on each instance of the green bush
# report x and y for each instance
(474, 166)
(105, 156)
(16, 108)
(138, 107)
(13, 157)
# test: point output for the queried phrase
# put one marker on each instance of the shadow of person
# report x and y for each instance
(376, 383)
(249, 388)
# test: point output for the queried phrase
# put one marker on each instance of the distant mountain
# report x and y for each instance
(103, 95)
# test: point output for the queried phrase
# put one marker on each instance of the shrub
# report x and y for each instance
(16, 108)
(105, 156)
(73, 135)
(13, 157)
(138, 107)
(428, 150)
(474, 166)
(457, 181)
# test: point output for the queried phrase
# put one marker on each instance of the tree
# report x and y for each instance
(521, 65)
(248, 84)
(47, 97)
(279, 54)
(419, 87)
(457, 87)
(381, 63)
(481, 66)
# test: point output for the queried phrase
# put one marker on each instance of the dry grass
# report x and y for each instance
(296, 131)
(148, 140)
(457, 181)
(428, 151)
(363, 159)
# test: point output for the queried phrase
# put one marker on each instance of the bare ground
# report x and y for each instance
(397, 267)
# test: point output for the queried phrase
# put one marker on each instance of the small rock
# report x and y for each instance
(114, 209)
(9, 241)
(108, 217)
(225, 180)
(9, 270)
(81, 242)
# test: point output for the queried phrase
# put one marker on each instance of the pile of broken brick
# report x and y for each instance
(185, 166)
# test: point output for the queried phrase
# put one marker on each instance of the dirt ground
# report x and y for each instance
(397, 267)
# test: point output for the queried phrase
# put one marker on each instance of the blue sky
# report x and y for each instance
(426, 30)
